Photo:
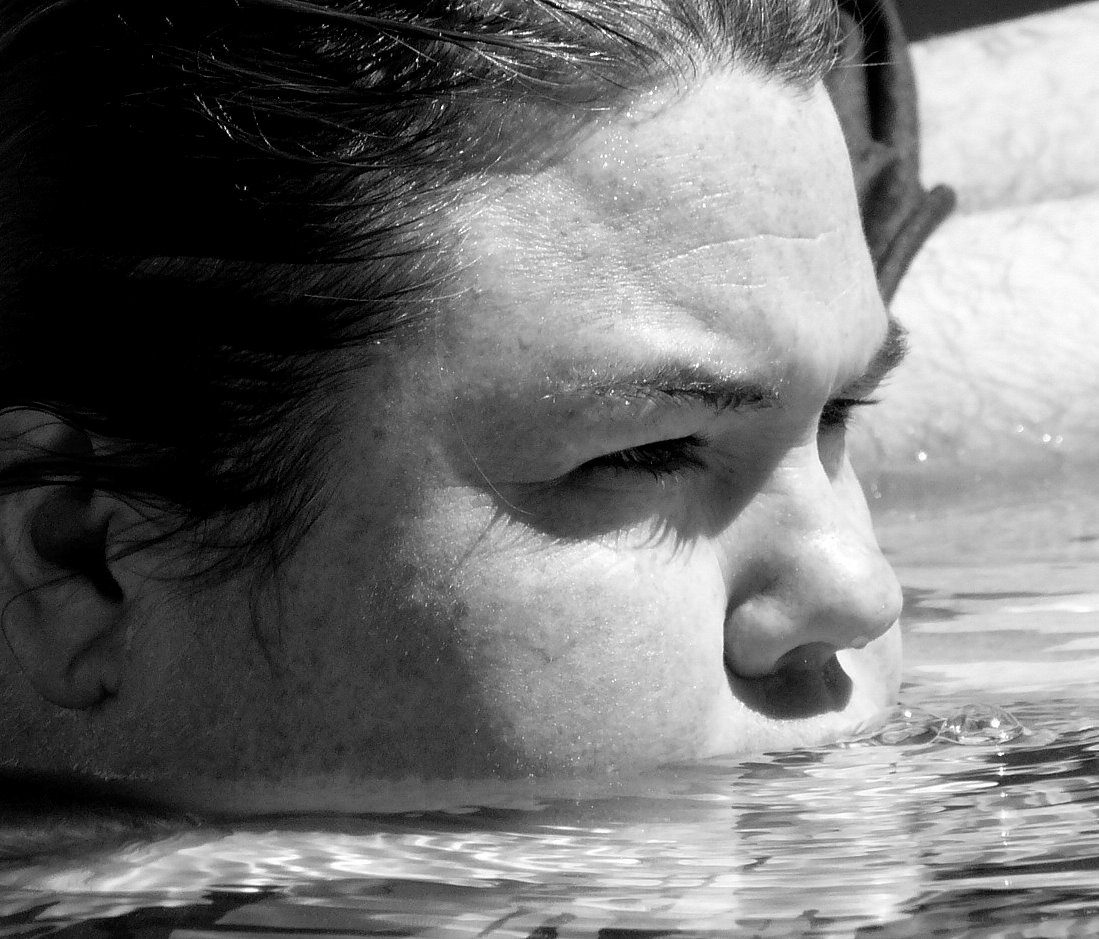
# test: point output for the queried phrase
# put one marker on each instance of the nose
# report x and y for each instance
(810, 577)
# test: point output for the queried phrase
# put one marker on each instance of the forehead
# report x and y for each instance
(718, 225)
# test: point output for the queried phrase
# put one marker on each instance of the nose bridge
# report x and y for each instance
(818, 576)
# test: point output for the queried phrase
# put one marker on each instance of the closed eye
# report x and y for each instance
(661, 459)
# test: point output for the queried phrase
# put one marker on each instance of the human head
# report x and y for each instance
(235, 220)
(268, 178)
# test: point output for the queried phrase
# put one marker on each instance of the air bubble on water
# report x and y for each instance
(980, 723)
(971, 725)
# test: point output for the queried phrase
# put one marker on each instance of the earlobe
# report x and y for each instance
(62, 607)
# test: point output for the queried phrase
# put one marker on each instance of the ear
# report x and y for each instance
(62, 607)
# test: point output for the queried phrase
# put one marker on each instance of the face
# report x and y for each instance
(600, 516)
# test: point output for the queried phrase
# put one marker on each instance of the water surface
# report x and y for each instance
(973, 811)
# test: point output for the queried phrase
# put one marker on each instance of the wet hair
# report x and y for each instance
(212, 212)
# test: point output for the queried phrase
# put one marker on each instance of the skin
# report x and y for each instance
(502, 582)
(1035, 138)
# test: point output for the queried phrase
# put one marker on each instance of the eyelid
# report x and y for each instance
(660, 458)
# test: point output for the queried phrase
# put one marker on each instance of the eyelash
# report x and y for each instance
(839, 412)
(662, 459)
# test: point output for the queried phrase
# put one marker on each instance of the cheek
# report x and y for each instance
(589, 656)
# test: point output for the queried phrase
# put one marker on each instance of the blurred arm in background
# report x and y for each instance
(1002, 303)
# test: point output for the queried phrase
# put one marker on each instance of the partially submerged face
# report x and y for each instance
(600, 516)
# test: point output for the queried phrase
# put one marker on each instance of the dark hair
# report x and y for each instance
(212, 210)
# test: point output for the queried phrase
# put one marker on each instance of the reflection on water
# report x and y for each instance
(973, 810)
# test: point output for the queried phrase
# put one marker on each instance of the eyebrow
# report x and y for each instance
(672, 383)
(694, 383)
(890, 354)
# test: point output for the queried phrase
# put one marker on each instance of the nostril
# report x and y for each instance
(812, 656)
(805, 682)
